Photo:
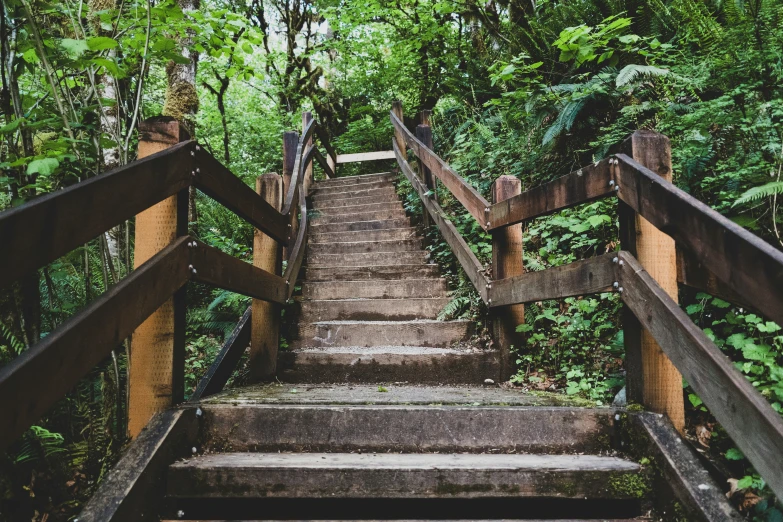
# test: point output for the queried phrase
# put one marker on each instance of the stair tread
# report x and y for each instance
(397, 350)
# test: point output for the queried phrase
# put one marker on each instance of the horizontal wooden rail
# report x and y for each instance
(691, 272)
(67, 354)
(586, 184)
(588, 276)
(210, 265)
(465, 193)
(748, 265)
(226, 361)
(472, 266)
(50, 226)
(219, 183)
(743, 412)
(365, 156)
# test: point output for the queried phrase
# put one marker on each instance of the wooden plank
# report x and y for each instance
(211, 266)
(324, 164)
(693, 273)
(467, 259)
(219, 183)
(365, 156)
(73, 349)
(747, 264)
(583, 185)
(588, 276)
(330, 152)
(297, 251)
(52, 225)
(226, 361)
(134, 490)
(465, 194)
(743, 412)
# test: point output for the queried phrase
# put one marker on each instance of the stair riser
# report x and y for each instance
(362, 247)
(399, 429)
(349, 202)
(368, 259)
(338, 211)
(360, 216)
(363, 235)
(436, 334)
(367, 273)
(369, 482)
(350, 180)
(374, 289)
(373, 309)
(360, 225)
(323, 199)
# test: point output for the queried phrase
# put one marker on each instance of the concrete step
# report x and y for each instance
(353, 209)
(367, 259)
(383, 289)
(471, 429)
(424, 332)
(360, 247)
(364, 178)
(387, 234)
(362, 200)
(316, 311)
(372, 215)
(379, 189)
(386, 475)
(365, 273)
(384, 364)
(356, 226)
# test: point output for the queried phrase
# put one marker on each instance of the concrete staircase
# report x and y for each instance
(370, 300)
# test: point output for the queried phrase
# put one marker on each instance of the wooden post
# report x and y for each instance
(507, 262)
(290, 143)
(307, 117)
(156, 368)
(652, 378)
(424, 134)
(397, 110)
(267, 255)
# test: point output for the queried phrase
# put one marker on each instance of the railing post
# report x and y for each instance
(307, 117)
(290, 144)
(397, 110)
(652, 379)
(424, 134)
(507, 262)
(267, 255)
(156, 366)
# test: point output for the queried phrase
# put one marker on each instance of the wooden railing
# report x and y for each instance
(48, 227)
(713, 254)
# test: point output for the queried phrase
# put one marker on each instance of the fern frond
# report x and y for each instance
(632, 72)
(773, 188)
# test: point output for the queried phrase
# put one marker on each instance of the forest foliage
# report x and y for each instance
(529, 89)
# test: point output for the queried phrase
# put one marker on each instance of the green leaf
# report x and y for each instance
(74, 48)
(100, 43)
(43, 166)
(695, 400)
(745, 482)
(107, 64)
(631, 72)
(734, 454)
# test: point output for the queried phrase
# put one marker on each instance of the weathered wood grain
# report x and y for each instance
(747, 264)
(588, 276)
(226, 361)
(217, 182)
(365, 156)
(211, 266)
(473, 268)
(133, 491)
(742, 411)
(296, 254)
(50, 226)
(465, 193)
(586, 184)
(691, 272)
(76, 346)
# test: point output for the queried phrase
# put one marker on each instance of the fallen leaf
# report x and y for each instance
(703, 436)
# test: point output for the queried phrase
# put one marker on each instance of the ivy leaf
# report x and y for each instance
(74, 48)
(43, 166)
(100, 43)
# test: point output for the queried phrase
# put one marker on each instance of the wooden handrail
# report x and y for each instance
(588, 276)
(743, 412)
(298, 250)
(76, 346)
(467, 259)
(465, 193)
(50, 226)
(748, 265)
(321, 133)
(299, 168)
(583, 185)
